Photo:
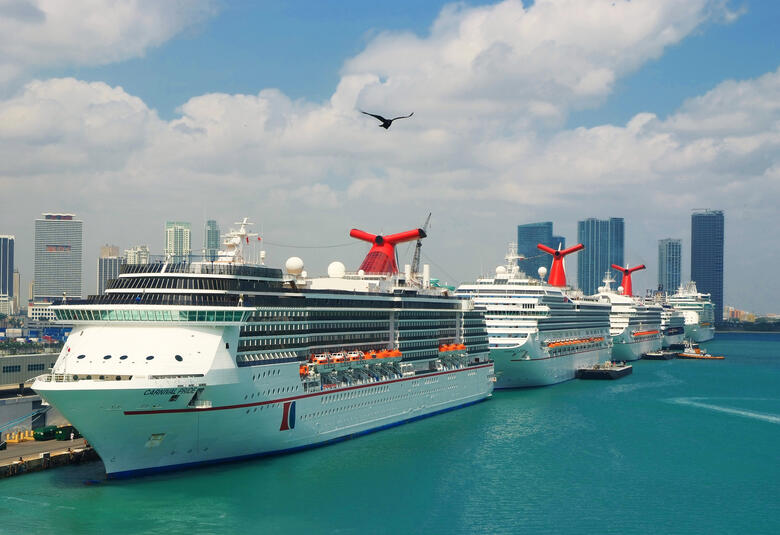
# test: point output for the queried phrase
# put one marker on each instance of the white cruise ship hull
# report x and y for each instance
(698, 333)
(528, 365)
(627, 348)
(673, 340)
(142, 430)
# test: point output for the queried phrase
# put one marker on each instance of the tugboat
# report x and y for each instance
(692, 351)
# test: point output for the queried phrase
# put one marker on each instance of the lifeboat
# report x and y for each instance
(304, 370)
(370, 355)
(384, 353)
(337, 358)
(395, 353)
(353, 356)
(461, 346)
(321, 358)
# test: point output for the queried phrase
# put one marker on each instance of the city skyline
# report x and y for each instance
(545, 111)
(529, 235)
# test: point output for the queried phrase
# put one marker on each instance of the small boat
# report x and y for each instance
(691, 352)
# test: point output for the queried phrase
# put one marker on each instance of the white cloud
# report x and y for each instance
(490, 87)
(41, 33)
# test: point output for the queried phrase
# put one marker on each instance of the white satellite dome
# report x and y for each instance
(361, 273)
(336, 270)
(620, 289)
(500, 270)
(294, 265)
(542, 271)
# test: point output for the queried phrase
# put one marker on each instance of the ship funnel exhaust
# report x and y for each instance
(626, 282)
(557, 271)
(381, 257)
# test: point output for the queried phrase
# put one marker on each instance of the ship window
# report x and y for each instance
(201, 315)
(193, 315)
(179, 358)
(210, 315)
(150, 357)
(143, 315)
(107, 357)
(136, 315)
(123, 357)
(81, 356)
(166, 315)
(220, 315)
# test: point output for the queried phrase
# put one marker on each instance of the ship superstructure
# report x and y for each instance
(698, 311)
(539, 334)
(186, 363)
(635, 327)
(672, 321)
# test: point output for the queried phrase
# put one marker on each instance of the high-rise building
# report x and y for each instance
(7, 272)
(211, 240)
(707, 256)
(108, 266)
(178, 241)
(604, 243)
(17, 290)
(669, 264)
(57, 257)
(528, 237)
(137, 255)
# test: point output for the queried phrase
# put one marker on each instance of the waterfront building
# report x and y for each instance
(178, 241)
(604, 243)
(528, 237)
(7, 273)
(57, 257)
(137, 255)
(669, 264)
(108, 266)
(707, 255)
(211, 240)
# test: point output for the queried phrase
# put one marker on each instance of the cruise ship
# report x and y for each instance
(180, 364)
(672, 327)
(539, 333)
(698, 312)
(635, 327)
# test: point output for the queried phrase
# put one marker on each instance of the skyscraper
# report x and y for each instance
(211, 240)
(528, 237)
(707, 256)
(137, 255)
(603, 241)
(57, 257)
(7, 274)
(108, 266)
(178, 241)
(669, 264)
(17, 290)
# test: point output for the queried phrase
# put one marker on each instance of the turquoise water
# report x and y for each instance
(678, 447)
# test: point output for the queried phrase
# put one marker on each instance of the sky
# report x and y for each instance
(132, 113)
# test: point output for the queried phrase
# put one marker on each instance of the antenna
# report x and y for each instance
(418, 246)
(557, 272)
(627, 271)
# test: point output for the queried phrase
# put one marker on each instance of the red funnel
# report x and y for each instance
(626, 282)
(557, 273)
(381, 257)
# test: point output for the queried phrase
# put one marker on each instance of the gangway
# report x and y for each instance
(40, 410)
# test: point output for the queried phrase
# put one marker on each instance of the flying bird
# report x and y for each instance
(386, 122)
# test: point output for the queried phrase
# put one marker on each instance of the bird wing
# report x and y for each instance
(375, 116)
(402, 117)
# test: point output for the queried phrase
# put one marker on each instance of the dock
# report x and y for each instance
(607, 370)
(35, 456)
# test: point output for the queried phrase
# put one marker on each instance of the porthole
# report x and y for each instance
(107, 357)
(89, 377)
(118, 378)
(150, 357)
(81, 356)
(123, 357)
(178, 358)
